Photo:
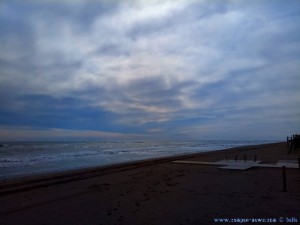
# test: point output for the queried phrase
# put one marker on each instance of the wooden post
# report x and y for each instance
(291, 146)
(226, 157)
(245, 158)
(284, 178)
(255, 158)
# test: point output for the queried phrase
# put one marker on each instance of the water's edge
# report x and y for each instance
(43, 158)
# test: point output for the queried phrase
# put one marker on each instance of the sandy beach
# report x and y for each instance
(159, 192)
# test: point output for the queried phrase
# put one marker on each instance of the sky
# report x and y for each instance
(149, 70)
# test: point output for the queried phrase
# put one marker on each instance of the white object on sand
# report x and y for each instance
(244, 165)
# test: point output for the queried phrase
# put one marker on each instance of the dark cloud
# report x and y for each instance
(185, 68)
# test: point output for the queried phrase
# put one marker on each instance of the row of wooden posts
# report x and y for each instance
(245, 157)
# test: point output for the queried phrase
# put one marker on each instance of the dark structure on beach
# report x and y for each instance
(293, 142)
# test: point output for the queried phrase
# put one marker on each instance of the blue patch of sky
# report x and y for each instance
(65, 113)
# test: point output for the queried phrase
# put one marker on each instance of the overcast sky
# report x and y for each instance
(182, 69)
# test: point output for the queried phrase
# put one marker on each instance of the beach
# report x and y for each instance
(160, 191)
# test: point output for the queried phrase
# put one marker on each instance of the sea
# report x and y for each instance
(21, 159)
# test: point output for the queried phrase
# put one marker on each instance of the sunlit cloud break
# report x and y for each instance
(159, 69)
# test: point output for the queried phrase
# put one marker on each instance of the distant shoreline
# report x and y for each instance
(15, 184)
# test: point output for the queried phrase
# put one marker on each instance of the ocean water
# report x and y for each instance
(24, 159)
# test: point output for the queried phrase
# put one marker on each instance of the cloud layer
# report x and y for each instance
(189, 69)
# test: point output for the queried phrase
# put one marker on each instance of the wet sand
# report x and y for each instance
(158, 192)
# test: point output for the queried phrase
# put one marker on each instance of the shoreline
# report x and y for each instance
(160, 192)
(15, 184)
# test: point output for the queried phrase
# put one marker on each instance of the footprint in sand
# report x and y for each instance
(180, 175)
(172, 184)
(120, 218)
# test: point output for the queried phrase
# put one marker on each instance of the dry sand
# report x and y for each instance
(158, 192)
